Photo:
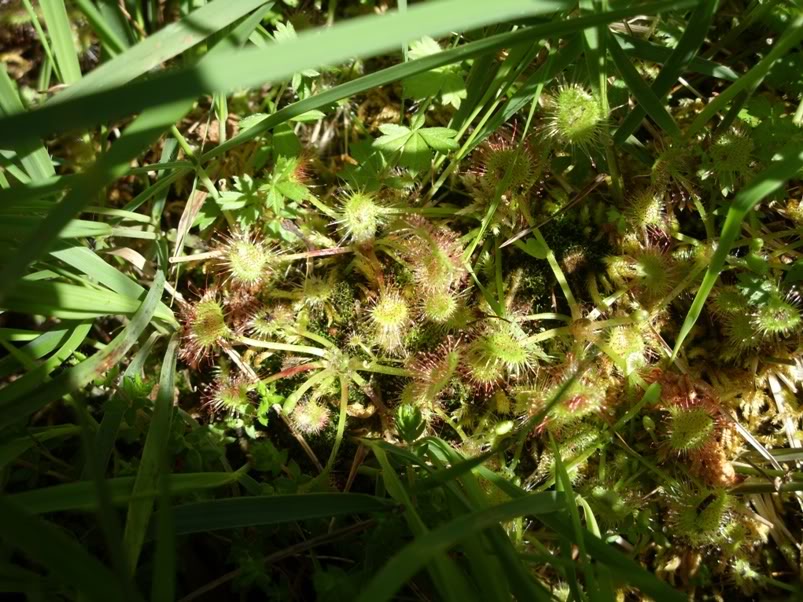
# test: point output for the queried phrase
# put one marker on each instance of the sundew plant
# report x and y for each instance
(371, 300)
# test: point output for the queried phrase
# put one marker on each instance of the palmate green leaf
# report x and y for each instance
(446, 81)
(20, 406)
(439, 138)
(233, 513)
(415, 556)
(414, 146)
(63, 557)
(81, 495)
(764, 184)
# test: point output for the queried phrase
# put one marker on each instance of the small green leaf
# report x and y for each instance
(394, 139)
(440, 139)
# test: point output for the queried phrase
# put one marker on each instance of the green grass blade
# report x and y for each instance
(564, 486)
(152, 461)
(114, 409)
(765, 183)
(86, 261)
(163, 584)
(163, 45)
(73, 302)
(444, 572)
(61, 38)
(248, 68)
(32, 154)
(625, 569)
(138, 136)
(524, 95)
(80, 496)
(648, 51)
(36, 349)
(646, 97)
(233, 513)
(38, 374)
(789, 40)
(64, 558)
(10, 450)
(414, 557)
(460, 53)
(504, 557)
(78, 376)
(678, 61)
(106, 33)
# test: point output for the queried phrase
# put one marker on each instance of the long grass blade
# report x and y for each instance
(764, 184)
(32, 154)
(163, 45)
(152, 461)
(233, 513)
(680, 59)
(64, 558)
(80, 496)
(789, 40)
(61, 37)
(250, 68)
(76, 377)
(646, 97)
(411, 559)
